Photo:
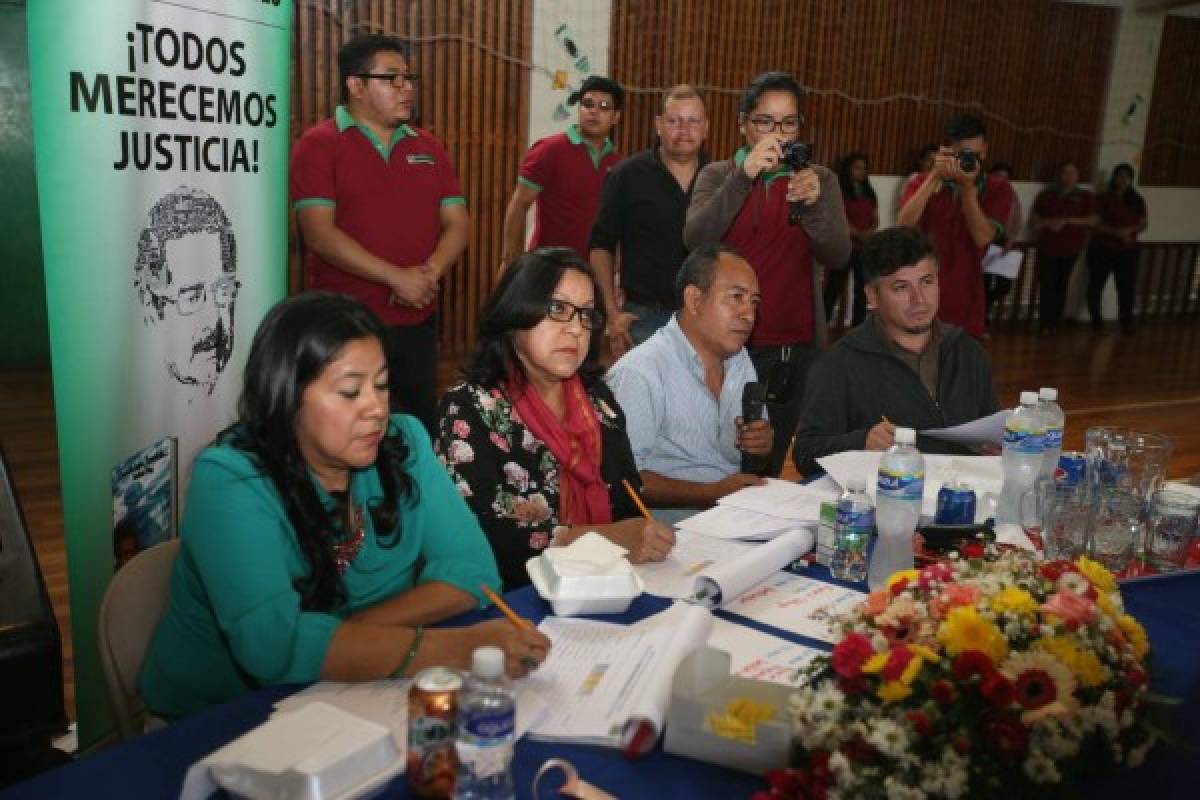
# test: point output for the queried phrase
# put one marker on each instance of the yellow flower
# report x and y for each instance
(1096, 572)
(1084, 664)
(1104, 601)
(875, 663)
(1136, 634)
(891, 691)
(911, 670)
(905, 574)
(1014, 600)
(964, 629)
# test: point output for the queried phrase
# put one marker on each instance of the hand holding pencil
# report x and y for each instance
(524, 646)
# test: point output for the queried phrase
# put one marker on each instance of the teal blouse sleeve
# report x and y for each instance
(236, 533)
(453, 545)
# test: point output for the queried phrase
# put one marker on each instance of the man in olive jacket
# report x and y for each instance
(901, 367)
(782, 215)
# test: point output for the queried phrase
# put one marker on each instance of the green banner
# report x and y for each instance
(161, 141)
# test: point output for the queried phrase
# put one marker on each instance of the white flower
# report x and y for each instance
(828, 702)
(1040, 769)
(895, 790)
(459, 452)
(887, 737)
(516, 475)
(840, 766)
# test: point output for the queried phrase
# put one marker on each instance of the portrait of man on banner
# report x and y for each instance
(186, 277)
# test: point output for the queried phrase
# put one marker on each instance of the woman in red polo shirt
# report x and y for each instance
(1062, 217)
(862, 214)
(1122, 212)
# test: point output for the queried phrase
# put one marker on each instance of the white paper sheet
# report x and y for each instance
(983, 473)
(728, 522)
(675, 577)
(998, 262)
(795, 501)
(985, 430)
(600, 677)
(760, 656)
(789, 602)
(730, 579)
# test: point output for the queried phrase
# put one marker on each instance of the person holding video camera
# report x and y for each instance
(962, 209)
(782, 213)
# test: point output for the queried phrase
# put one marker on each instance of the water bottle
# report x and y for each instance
(1024, 431)
(898, 496)
(487, 710)
(855, 523)
(1053, 417)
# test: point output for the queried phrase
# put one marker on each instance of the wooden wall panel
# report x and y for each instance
(1172, 155)
(884, 76)
(473, 96)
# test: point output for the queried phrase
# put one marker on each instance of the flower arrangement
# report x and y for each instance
(980, 677)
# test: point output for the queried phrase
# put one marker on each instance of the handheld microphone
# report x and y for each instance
(754, 397)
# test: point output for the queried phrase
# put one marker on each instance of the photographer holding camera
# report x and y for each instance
(962, 209)
(781, 213)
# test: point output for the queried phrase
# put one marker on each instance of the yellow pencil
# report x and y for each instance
(637, 501)
(520, 622)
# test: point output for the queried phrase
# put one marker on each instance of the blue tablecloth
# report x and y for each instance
(153, 766)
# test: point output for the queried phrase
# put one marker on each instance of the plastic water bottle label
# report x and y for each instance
(901, 485)
(855, 522)
(484, 761)
(1053, 438)
(490, 726)
(1023, 440)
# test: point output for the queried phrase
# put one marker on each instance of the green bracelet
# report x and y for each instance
(418, 635)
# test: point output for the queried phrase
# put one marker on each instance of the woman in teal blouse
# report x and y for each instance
(320, 534)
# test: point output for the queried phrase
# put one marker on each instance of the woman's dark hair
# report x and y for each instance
(296, 340)
(769, 82)
(1130, 196)
(845, 173)
(518, 303)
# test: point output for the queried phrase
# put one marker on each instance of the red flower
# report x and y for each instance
(852, 686)
(972, 550)
(859, 751)
(1053, 570)
(1035, 688)
(1007, 736)
(969, 663)
(1136, 678)
(850, 654)
(897, 660)
(996, 689)
(899, 586)
(943, 692)
(939, 571)
(920, 722)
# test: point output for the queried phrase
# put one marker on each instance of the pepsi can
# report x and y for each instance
(955, 505)
(1071, 470)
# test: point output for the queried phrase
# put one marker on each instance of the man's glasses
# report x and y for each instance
(562, 311)
(592, 104)
(396, 79)
(190, 299)
(769, 124)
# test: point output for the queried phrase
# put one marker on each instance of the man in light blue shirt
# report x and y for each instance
(681, 389)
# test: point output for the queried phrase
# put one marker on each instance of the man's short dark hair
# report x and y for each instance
(964, 127)
(599, 83)
(892, 249)
(700, 268)
(769, 82)
(356, 56)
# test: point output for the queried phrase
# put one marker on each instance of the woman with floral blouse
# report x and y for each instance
(532, 437)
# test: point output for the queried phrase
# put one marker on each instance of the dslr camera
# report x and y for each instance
(797, 155)
(968, 159)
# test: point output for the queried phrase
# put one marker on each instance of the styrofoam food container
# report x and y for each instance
(607, 592)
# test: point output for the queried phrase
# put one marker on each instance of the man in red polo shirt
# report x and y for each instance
(1062, 217)
(564, 174)
(962, 210)
(381, 213)
(781, 221)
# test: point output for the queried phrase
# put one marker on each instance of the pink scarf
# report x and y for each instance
(574, 441)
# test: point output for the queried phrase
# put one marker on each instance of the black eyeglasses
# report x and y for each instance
(591, 103)
(396, 79)
(562, 311)
(768, 124)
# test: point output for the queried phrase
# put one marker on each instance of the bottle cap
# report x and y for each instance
(1046, 393)
(1029, 398)
(906, 436)
(857, 483)
(487, 662)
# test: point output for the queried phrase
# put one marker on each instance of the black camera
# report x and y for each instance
(797, 155)
(968, 160)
